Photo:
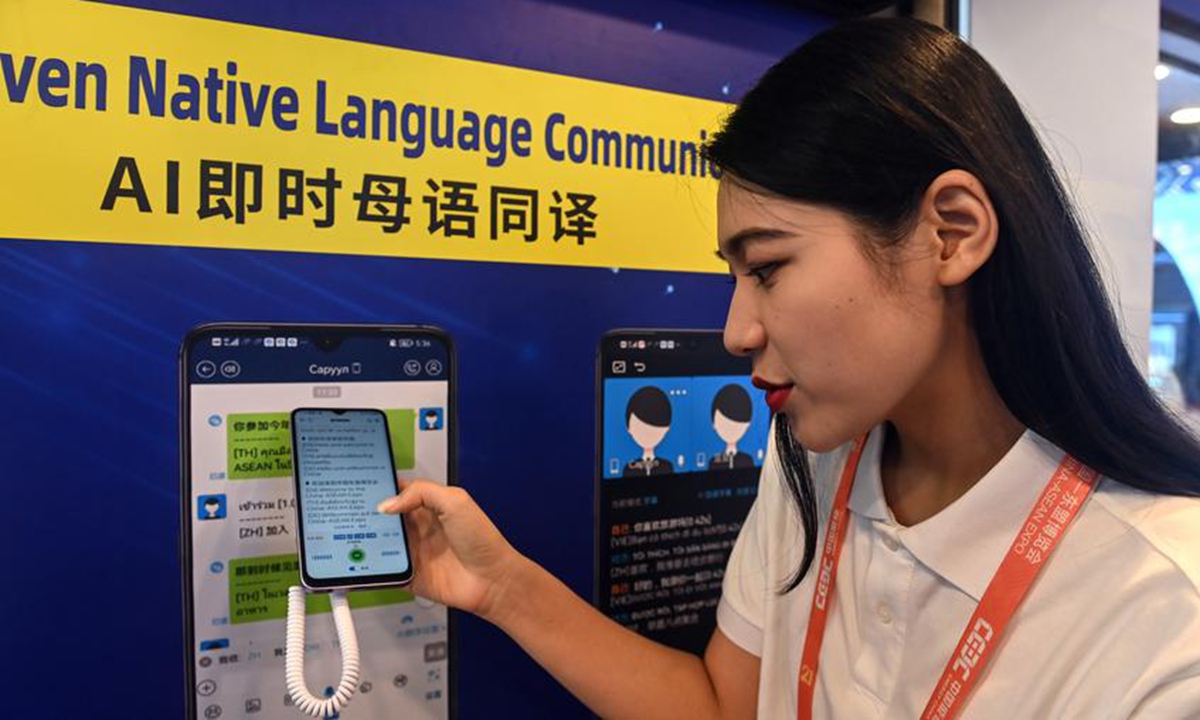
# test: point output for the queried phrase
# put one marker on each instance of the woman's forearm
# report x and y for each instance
(614, 671)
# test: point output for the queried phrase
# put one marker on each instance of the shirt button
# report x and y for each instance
(891, 543)
(884, 613)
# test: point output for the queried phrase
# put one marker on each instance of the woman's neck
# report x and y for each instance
(946, 435)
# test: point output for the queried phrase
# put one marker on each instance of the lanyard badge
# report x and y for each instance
(1057, 506)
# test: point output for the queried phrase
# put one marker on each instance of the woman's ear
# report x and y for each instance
(963, 225)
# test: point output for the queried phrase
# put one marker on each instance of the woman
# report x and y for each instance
(908, 271)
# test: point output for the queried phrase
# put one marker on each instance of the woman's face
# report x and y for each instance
(815, 313)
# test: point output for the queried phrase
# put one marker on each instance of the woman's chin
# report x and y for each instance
(816, 437)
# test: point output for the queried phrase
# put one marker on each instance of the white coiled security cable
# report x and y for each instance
(294, 657)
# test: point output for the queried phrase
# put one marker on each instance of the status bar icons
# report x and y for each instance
(271, 342)
(652, 344)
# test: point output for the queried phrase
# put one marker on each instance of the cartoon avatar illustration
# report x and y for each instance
(431, 419)
(648, 420)
(731, 413)
(211, 507)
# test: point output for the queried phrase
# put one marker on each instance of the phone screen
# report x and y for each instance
(681, 435)
(241, 384)
(344, 469)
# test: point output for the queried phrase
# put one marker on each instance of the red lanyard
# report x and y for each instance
(1060, 501)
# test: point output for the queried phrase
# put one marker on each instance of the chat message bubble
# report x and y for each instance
(258, 588)
(402, 427)
(259, 445)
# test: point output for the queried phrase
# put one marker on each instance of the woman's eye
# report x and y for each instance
(762, 272)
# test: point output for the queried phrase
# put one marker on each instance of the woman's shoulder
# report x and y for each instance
(1132, 530)
(1168, 526)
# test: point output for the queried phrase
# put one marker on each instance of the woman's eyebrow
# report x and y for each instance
(735, 246)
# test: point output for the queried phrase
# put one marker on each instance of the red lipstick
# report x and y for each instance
(777, 394)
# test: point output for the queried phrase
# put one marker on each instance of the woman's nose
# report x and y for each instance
(744, 334)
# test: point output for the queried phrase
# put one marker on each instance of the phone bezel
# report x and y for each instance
(345, 582)
(185, 460)
(598, 478)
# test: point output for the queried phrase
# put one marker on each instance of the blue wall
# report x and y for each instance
(90, 334)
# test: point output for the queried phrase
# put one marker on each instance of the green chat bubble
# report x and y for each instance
(402, 426)
(258, 588)
(259, 445)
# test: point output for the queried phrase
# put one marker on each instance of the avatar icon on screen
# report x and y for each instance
(731, 414)
(211, 507)
(648, 420)
(431, 419)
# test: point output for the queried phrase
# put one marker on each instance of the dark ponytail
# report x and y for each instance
(862, 119)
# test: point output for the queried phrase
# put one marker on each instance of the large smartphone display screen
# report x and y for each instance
(343, 470)
(682, 435)
(240, 384)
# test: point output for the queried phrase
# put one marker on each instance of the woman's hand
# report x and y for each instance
(460, 559)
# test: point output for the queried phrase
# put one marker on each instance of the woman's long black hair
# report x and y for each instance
(862, 119)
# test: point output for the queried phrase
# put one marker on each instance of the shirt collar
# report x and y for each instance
(966, 541)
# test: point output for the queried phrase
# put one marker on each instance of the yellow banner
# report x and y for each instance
(132, 126)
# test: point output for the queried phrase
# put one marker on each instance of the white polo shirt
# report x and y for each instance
(1110, 628)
